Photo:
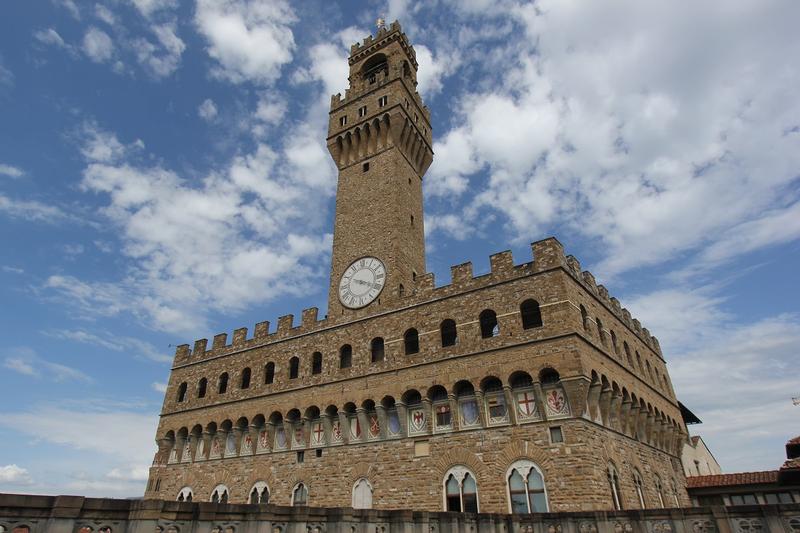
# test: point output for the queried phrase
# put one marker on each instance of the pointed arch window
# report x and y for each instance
(613, 483)
(299, 495)
(182, 392)
(600, 331)
(660, 492)
(294, 367)
(185, 495)
(223, 383)
(614, 342)
(201, 388)
(259, 493)
(377, 350)
(460, 490)
(639, 486)
(526, 491)
(531, 314)
(489, 326)
(411, 341)
(246, 378)
(362, 494)
(220, 494)
(449, 332)
(346, 356)
(584, 318)
(269, 373)
(316, 363)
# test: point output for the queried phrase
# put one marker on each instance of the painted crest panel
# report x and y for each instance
(526, 406)
(317, 433)
(556, 402)
(416, 421)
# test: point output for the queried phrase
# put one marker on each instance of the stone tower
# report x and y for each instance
(379, 136)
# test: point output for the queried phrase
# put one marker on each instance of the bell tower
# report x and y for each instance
(379, 136)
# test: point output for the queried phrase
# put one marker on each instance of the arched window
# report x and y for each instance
(182, 392)
(531, 314)
(299, 495)
(316, 363)
(660, 492)
(489, 326)
(219, 494)
(613, 484)
(549, 376)
(246, 378)
(614, 342)
(584, 318)
(201, 388)
(600, 332)
(649, 371)
(639, 362)
(401, 291)
(526, 493)
(627, 353)
(223, 383)
(411, 341)
(259, 493)
(377, 349)
(638, 485)
(269, 373)
(294, 367)
(346, 356)
(449, 332)
(460, 490)
(185, 495)
(362, 494)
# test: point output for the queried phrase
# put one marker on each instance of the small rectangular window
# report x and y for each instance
(362, 111)
(301, 456)
(416, 117)
(382, 101)
(556, 435)
(407, 104)
(318, 452)
(343, 120)
(365, 166)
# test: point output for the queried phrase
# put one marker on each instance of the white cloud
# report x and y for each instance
(432, 70)
(10, 171)
(70, 6)
(628, 126)
(25, 361)
(12, 270)
(128, 345)
(101, 147)
(148, 7)
(159, 387)
(259, 217)
(207, 110)
(50, 37)
(32, 210)
(97, 45)
(104, 14)
(162, 59)
(247, 40)
(14, 475)
(6, 76)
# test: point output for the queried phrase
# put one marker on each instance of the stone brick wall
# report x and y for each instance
(69, 514)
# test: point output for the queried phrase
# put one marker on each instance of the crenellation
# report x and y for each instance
(285, 324)
(549, 253)
(239, 336)
(309, 319)
(616, 306)
(200, 346)
(637, 326)
(220, 341)
(426, 284)
(501, 263)
(261, 331)
(461, 274)
(182, 351)
(626, 318)
(603, 293)
(574, 266)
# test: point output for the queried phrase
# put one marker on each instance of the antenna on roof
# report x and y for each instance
(380, 23)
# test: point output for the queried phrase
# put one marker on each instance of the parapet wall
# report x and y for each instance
(69, 514)
(548, 254)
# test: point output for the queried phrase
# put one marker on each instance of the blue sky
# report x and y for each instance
(163, 177)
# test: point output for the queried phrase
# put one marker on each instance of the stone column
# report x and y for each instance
(306, 432)
(238, 434)
(641, 425)
(164, 449)
(481, 407)
(255, 433)
(206, 438)
(538, 396)
(511, 404)
(363, 420)
(593, 401)
(382, 420)
(402, 416)
(222, 438)
(624, 415)
(605, 405)
(327, 427)
(614, 410)
(288, 430)
(426, 407)
(344, 425)
(454, 410)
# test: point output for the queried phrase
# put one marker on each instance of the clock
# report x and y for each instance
(362, 282)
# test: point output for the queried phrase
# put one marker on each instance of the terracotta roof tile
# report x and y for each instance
(725, 480)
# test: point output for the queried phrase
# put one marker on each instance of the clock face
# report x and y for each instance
(362, 282)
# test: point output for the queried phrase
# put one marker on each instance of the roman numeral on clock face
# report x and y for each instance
(362, 282)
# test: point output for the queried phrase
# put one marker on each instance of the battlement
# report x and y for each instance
(384, 35)
(548, 254)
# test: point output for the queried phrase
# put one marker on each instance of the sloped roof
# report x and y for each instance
(726, 480)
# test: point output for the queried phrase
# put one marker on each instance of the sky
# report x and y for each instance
(164, 177)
